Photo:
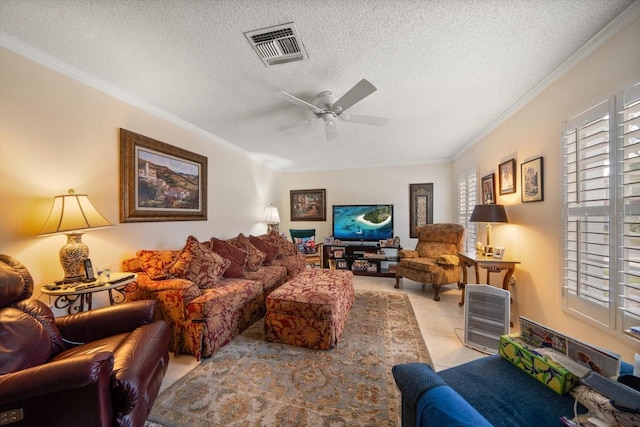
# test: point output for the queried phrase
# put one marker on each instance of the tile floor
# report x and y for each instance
(441, 324)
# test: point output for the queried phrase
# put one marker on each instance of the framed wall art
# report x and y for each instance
(507, 177)
(420, 206)
(489, 189)
(160, 182)
(308, 205)
(531, 175)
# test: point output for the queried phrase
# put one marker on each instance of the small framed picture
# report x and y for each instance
(498, 252)
(507, 177)
(532, 181)
(489, 189)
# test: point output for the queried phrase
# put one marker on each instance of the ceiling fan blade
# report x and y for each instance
(365, 120)
(361, 90)
(296, 124)
(299, 102)
(330, 129)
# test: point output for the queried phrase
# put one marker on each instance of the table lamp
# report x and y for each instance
(488, 213)
(272, 218)
(73, 214)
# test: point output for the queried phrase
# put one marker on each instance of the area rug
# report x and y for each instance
(252, 382)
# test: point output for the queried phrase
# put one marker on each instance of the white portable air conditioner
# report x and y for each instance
(486, 317)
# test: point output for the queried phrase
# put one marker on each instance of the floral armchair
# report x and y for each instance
(434, 259)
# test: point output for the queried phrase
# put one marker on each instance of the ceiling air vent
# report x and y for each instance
(277, 45)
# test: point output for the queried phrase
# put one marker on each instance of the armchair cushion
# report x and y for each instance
(448, 260)
(199, 264)
(408, 253)
(306, 245)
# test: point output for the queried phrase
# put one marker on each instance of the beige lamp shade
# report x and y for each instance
(73, 214)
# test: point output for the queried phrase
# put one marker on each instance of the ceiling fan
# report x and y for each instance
(328, 107)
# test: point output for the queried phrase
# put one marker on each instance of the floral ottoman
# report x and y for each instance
(311, 310)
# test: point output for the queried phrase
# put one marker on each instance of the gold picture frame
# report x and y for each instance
(160, 182)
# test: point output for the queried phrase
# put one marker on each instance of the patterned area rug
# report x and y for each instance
(252, 382)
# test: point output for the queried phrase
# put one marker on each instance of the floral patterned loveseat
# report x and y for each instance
(209, 292)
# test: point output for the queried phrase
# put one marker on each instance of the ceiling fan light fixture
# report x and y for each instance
(328, 107)
(328, 118)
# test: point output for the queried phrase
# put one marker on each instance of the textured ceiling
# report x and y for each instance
(446, 71)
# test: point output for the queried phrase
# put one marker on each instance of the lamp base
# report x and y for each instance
(272, 227)
(72, 256)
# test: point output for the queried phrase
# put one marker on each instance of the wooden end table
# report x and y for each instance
(66, 295)
(491, 264)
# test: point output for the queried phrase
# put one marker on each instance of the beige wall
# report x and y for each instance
(534, 233)
(57, 133)
(372, 185)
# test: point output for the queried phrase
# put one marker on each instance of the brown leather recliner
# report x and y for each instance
(103, 367)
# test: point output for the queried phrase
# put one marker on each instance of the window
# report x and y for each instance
(601, 211)
(467, 189)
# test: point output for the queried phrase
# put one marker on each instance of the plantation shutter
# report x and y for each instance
(588, 203)
(467, 189)
(629, 143)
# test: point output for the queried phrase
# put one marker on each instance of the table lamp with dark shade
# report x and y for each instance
(488, 214)
(73, 214)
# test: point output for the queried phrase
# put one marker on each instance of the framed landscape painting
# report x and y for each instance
(160, 182)
(308, 205)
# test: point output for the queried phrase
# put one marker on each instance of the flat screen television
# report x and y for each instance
(362, 222)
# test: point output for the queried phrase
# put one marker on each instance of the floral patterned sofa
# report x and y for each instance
(209, 292)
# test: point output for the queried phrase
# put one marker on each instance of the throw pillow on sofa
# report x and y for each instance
(270, 250)
(155, 262)
(236, 256)
(199, 264)
(255, 257)
(285, 247)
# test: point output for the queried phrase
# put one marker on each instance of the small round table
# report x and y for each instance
(67, 294)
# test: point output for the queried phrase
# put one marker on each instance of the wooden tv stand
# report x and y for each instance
(363, 258)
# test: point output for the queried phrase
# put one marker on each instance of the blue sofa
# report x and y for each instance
(484, 392)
